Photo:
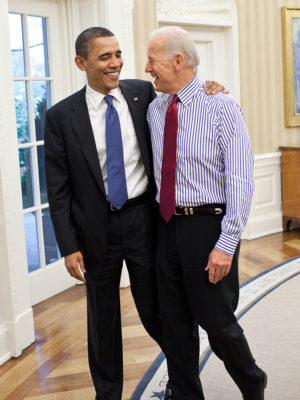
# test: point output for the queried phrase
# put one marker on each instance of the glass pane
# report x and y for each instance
(38, 46)
(16, 44)
(52, 253)
(41, 101)
(33, 256)
(42, 178)
(26, 177)
(21, 111)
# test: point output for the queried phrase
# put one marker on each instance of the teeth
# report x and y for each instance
(113, 73)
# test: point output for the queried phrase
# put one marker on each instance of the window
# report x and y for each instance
(32, 84)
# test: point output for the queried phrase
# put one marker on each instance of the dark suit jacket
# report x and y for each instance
(76, 192)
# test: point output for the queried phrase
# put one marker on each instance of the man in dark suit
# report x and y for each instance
(101, 195)
(93, 235)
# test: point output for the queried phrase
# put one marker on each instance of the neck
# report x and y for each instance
(182, 80)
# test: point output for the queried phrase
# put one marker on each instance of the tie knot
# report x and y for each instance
(109, 99)
(175, 99)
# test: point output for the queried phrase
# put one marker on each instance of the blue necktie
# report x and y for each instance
(116, 179)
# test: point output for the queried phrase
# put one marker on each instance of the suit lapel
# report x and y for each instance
(138, 119)
(83, 130)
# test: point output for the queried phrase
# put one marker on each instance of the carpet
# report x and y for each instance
(269, 311)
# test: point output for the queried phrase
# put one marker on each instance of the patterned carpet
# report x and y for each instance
(269, 313)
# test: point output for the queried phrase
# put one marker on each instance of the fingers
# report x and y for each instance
(75, 265)
(209, 88)
(216, 273)
(81, 263)
(213, 87)
(218, 265)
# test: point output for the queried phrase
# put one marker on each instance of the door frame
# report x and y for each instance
(201, 14)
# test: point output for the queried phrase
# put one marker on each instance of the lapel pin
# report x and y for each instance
(135, 99)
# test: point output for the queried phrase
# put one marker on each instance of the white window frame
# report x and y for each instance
(53, 278)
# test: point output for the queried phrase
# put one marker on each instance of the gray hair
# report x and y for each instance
(177, 40)
(84, 45)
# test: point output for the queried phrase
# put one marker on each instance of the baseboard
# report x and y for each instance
(5, 353)
(16, 335)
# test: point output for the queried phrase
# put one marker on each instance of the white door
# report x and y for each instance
(39, 82)
(215, 46)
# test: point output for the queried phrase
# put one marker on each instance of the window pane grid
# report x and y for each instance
(35, 208)
(33, 138)
(33, 97)
(32, 248)
(41, 238)
(17, 43)
(30, 78)
(36, 186)
(27, 145)
(26, 47)
(46, 60)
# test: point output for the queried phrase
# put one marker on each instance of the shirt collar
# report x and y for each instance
(186, 94)
(190, 90)
(96, 98)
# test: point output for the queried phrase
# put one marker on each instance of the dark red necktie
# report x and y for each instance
(168, 167)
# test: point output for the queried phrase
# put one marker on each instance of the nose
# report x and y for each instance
(147, 67)
(115, 62)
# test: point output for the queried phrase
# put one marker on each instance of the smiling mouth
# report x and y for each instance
(155, 77)
(115, 74)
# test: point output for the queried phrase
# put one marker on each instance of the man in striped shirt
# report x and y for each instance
(204, 190)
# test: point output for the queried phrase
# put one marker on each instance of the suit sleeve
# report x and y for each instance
(152, 93)
(59, 187)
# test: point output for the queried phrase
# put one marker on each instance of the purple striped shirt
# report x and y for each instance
(214, 162)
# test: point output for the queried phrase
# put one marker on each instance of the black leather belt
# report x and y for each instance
(131, 202)
(210, 209)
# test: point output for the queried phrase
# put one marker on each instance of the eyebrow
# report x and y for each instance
(109, 53)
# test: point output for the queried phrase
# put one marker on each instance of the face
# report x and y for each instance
(103, 65)
(160, 68)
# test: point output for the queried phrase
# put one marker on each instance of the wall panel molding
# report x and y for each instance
(265, 215)
(144, 22)
(194, 7)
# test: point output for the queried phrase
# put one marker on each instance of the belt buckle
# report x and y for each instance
(176, 213)
(185, 211)
(218, 210)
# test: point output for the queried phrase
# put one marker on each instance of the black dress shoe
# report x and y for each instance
(261, 391)
(167, 395)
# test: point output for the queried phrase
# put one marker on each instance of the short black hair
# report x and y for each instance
(83, 44)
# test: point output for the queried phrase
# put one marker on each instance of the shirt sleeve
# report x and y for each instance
(238, 172)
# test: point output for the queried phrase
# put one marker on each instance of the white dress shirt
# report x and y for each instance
(136, 178)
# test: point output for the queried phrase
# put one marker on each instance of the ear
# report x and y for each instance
(178, 61)
(80, 62)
